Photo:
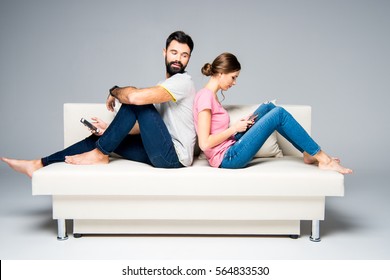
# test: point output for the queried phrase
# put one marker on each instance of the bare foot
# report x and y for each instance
(333, 165)
(308, 159)
(328, 163)
(89, 158)
(26, 167)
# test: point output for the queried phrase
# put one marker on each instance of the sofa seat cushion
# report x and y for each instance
(287, 176)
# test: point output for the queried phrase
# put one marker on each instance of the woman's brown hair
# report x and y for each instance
(224, 63)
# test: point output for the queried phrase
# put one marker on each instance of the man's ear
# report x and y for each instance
(164, 52)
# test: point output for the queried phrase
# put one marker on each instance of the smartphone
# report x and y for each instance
(89, 125)
(252, 117)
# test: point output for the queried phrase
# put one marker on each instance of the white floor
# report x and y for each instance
(356, 227)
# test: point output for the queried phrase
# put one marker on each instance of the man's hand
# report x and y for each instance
(101, 125)
(121, 94)
(110, 103)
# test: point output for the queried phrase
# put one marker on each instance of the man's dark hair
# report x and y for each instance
(182, 38)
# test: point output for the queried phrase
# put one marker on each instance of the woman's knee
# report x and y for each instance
(279, 110)
(264, 109)
(267, 106)
(282, 113)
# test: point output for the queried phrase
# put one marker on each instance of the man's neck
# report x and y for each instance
(167, 75)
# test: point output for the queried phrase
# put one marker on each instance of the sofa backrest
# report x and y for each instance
(302, 113)
(74, 130)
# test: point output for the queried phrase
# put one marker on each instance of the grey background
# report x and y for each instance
(332, 55)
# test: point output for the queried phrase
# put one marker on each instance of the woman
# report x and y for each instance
(235, 146)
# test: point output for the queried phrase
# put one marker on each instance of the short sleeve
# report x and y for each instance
(178, 86)
(204, 100)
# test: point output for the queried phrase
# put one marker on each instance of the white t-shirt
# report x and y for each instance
(177, 115)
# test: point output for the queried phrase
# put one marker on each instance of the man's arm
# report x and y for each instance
(132, 95)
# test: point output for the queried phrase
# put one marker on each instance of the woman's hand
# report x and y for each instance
(242, 125)
(101, 125)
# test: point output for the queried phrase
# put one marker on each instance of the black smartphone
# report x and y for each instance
(252, 117)
(89, 125)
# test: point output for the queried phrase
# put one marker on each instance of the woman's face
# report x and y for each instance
(226, 81)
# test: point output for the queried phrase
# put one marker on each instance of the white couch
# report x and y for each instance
(269, 197)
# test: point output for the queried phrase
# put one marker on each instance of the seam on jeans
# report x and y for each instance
(317, 151)
(100, 148)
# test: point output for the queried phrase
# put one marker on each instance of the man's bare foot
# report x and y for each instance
(89, 158)
(26, 167)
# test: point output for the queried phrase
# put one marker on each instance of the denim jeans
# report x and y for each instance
(269, 118)
(153, 145)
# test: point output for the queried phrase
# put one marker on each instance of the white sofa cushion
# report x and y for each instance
(287, 176)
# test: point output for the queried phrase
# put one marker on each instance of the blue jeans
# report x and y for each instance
(153, 145)
(269, 118)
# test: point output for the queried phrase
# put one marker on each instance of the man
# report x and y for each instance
(159, 119)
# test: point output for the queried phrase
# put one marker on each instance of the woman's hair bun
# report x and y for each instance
(225, 63)
(207, 69)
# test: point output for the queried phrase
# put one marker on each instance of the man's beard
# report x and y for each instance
(174, 70)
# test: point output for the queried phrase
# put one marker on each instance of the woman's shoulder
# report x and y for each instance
(204, 93)
(204, 98)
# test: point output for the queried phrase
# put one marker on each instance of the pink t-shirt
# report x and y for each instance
(205, 99)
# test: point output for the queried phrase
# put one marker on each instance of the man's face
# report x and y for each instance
(177, 56)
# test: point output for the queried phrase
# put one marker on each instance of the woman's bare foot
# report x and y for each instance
(89, 158)
(308, 159)
(26, 167)
(333, 165)
(327, 163)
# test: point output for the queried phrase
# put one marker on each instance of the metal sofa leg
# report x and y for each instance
(315, 231)
(62, 235)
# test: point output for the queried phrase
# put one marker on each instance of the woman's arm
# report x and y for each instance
(206, 139)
